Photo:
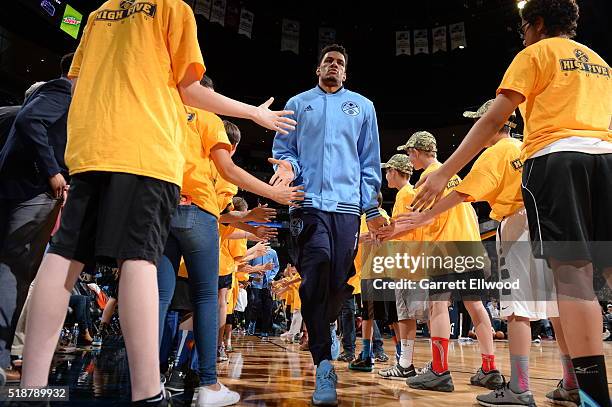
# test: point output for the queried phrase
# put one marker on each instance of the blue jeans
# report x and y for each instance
(347, 323)
(194, 235)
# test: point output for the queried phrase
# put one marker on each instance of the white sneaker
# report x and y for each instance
(210, 398)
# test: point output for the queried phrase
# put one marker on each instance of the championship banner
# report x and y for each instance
(217, 15)
(421, 42)
(327, 36)
(232, 14)
(246, 22)
(402, 43)
(439, 39)
(457, 35)
(202, 7)
(290, 39)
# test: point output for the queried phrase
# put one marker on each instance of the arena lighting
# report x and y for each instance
(521, 4)
(461, 46)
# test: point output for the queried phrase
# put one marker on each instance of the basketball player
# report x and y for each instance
(335, 154)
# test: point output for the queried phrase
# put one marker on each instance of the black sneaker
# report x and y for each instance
(363, 363)
(381, 357)
(346, 357)
(491, 380)
(176, 381)
(157, 401)
(397, 372)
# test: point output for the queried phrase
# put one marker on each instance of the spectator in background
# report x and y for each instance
(32, 185)
(260, 302)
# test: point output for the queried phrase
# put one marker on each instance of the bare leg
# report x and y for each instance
(222, 301)
(407, 329)
(519, 335)
(559, 335)
(49, 302)
(109, 310)
(439, 321)
(139, 319)
(577, 311)
(482, 326)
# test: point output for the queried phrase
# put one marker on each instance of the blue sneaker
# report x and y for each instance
(251, 329)
(325, 387)
(335, 346)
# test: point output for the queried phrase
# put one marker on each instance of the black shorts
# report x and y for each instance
(181, 300)
(568, 198)
(229, 319)
(225, 281)
(117, 216)
(383, 311)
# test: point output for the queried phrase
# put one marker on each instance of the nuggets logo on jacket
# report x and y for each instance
(296, 226)
(350, 108)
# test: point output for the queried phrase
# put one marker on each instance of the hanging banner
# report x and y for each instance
(217, 15)
(290, 39)
(402, 43)
(457, 35)
(439, 39)
(202, 7)
(421, 42)
(327, 36)
(246, 22)
(232, 14)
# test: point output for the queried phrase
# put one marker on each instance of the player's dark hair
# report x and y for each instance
(332, 48)
(560, 16)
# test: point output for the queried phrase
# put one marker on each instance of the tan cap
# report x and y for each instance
(421, 140)
(483, 109)
(400, 162)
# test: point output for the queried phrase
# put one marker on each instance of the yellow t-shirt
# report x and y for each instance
(206, 131)
(355, 281)
(126, 114)
(225, 190)
(403, 200)
(230, 250)
(495, 177)
(457, 224)
(567, 90)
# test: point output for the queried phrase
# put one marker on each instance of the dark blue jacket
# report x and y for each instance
(34, 149)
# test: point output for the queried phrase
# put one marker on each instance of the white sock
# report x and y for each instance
(407, 351)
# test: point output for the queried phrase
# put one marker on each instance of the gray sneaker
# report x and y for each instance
(221, 355)
(505, 397)
(430, 380)
(397, 372)
(564, 397)
(491, 380)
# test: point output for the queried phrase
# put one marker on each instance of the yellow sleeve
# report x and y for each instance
(403, 201)
(212, 132)
(77, 59)
(483, 179)
(237, 247)
(523, 74)
(182, 42)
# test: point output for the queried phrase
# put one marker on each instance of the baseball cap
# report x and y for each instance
(400, 162)
(484, 108)
(421, 140)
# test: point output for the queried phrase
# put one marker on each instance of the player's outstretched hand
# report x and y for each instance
(274, 119)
